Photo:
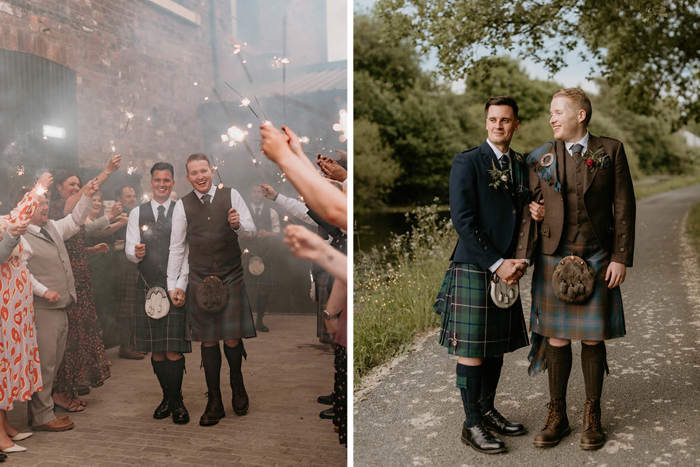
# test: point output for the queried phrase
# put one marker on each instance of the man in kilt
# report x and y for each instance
(585, 183)
(209, 220)
(488, 196)
(166, 338)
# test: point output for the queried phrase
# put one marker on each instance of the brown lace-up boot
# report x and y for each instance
(592, 437)
(555, 427)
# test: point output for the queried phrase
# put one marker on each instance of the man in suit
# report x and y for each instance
(586, 186)
(54, 290)
(488, 197)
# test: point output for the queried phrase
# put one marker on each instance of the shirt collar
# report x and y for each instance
(155, 204)
(497, 151)
(211, 192)
(583, 142)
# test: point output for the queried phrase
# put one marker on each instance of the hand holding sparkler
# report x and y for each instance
(274, 143)
(42, 185)
(234, 219)
(140, 250)
(293, 141)
(305, 244)
(113, 164)
(268, 192)
(116, 210)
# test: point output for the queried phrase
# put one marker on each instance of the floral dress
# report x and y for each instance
(20, 373)
(84, 362)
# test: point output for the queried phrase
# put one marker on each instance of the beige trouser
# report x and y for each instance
(52, 331)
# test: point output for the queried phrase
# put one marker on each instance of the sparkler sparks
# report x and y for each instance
(285, 219)
(41, 190)
(342, 125)
(129, 115)
(304, 140)
(131, 169)
(144, 228)
(279, 62)
(245, 102)
(195, 83)
(246, 251)
(145, 197)
(220, 186)
(234, 135)
(20, 170)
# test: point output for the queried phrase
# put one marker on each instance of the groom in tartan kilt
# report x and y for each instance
(586, 186)
(488, 197)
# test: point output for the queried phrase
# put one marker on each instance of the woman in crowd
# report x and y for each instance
(84, 363)
(20, 374)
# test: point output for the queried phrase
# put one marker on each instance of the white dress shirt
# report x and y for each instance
(583, 142)
(295, 207)
(66, 228)
(178, 235)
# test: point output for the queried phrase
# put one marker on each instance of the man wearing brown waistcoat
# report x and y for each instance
(209, 221)
(586, 187)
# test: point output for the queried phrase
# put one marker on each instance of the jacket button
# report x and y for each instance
(622, 249)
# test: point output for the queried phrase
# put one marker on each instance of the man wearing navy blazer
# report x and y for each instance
(488, 199)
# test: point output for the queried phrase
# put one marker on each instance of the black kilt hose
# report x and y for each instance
(472, 325)
(169, 333)
(214, 251)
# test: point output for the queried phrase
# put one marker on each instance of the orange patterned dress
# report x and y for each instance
(20, 373)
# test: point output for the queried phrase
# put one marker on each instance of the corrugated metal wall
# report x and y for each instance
(34, 92)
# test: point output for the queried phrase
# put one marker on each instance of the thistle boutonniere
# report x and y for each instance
(596, 159)
(499, 178)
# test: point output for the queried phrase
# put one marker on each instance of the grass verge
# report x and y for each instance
(656, 184)
(693, 227)
(396, 286)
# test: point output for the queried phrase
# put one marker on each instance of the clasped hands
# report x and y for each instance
(511, 270)
(177, 296)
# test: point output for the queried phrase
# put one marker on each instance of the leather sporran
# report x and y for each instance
(157, 303)
(503, 295)
(211, 295)
(573, 280)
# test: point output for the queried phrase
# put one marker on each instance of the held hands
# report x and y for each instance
(140, 250)
(537, 211)
(511, 270)
(234, 219)
(178, 297)
(52, 296)
(268, 191)
(615, 274)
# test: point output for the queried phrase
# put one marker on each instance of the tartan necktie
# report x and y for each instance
(161, 215)
(504, 162)
(576, 150)
(206, 198)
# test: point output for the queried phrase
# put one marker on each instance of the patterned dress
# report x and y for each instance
(84, 362)
(20, 373)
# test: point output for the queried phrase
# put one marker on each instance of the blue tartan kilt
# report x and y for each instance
(601, 317)
(472, 325)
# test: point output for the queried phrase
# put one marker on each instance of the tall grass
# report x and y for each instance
(692, 227)
(395, 288)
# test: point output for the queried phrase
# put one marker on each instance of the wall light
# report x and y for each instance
(51, 131)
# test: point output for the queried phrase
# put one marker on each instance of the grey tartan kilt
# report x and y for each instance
(235, 321)
(170, 333)
(128, 292)
(472, 325)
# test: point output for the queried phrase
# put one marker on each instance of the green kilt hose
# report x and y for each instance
(167, 334)
(233, 322)
(601, 317)
(472, 325)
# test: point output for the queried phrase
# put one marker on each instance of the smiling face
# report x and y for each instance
(128, 198)
(199, 174)
(501, 124)
(96, 204)
(567, 121)
(162, 184)
(69, 187)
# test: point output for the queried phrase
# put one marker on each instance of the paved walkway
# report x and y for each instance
(286, 370)
(410, 413)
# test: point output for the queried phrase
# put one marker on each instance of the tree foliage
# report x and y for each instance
(646, 49)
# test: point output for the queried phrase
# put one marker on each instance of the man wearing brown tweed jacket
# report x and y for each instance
(585, 185)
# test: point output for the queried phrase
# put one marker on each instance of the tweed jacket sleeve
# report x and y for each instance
(624, 211)
(528, 235)
(464, 211)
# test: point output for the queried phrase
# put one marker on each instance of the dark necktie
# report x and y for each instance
(576, 150)
(206, 198)
(45, 234)
(503, 161)
(161, 215)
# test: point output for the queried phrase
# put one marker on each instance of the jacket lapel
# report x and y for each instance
(594, 143)
(560, 151)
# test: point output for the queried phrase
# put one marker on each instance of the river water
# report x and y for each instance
(374, 229)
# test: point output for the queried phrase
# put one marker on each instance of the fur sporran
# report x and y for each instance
(573, 280)
(211, 294)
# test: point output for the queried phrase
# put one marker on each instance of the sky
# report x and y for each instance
(573, 75)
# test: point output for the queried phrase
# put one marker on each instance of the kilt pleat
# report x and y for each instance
(169, 333)
(601, 317)
(472, 325)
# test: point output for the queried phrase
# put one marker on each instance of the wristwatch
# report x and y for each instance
(330, 316)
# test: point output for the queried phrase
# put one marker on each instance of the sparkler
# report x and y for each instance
(131, 169)
(246, 251)
(285, 219)
(341, 126)
(144, 228)
(304, 140)
(20, 170)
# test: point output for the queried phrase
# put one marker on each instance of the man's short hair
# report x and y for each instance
(163, 166)
(120, 191)
(502, 100)
(198, 156)
(580, 100)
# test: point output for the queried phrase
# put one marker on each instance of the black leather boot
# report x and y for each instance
(163, 409)
(211, 361)
(235, 355)
(176, 369)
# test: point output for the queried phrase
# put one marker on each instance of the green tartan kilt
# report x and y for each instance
(472, 325)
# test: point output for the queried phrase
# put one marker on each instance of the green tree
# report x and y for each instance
(375, 171)
(647, 49)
